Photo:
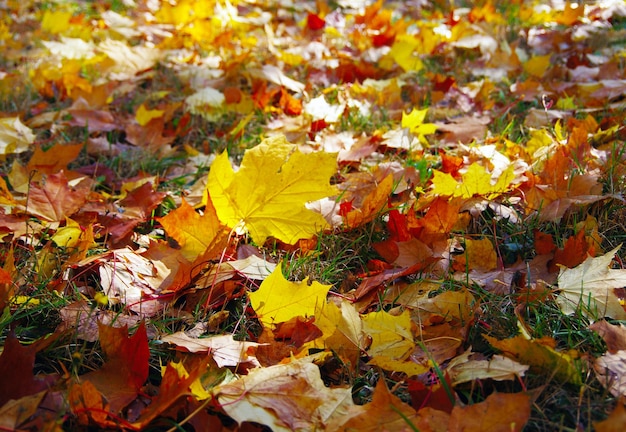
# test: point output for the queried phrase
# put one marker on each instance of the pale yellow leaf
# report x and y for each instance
(15, 137)
(591, 286)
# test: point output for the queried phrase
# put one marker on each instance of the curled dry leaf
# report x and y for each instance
(224, 349)
(465, 368)
(284, 397)
(611, 372)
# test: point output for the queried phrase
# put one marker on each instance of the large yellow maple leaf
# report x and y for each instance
(267, 196)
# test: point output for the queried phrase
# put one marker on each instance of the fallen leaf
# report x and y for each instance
(464, 368)
(591, 286)
(267, 196)
(386, 412)
(16, 412)
(500, 412)
(613, 335)
(223, 348)
(17, 362)
(199, 236)
(476, 181)
(89, 406)
(53, 159)
(128, 277)
(372, 205)
(611, 372)
(144, 115)
(342, 331)
(541, 358)
(55, 199)
(278, 300)
(414, 121)
(175, 384)
(15, 137)
(391, 335)
(126, 367)
(284, 397)
(615, 421)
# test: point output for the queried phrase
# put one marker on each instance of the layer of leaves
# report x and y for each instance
(311, 215)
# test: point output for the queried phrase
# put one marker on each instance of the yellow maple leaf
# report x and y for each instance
(144, 115)
(415, 122)
(476, 181)
(278, 300)
(538, 65)
(267, 196)
(199, 236)
(391, 335)
(55, 21)
(403, 53)
(342, 331)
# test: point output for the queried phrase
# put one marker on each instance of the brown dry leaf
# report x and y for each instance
(284, 397)
(93, 120)
(176, 383)
(88, 405)
(55, 199)
(614, 335)
(500, 412)
(385, 413)
(16, 412)
(372, 204)
(83, 319)
(615, 421)
(412, 252)
(53, 159)
(464, 129)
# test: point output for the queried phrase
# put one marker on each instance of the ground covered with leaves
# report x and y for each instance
(294, 215)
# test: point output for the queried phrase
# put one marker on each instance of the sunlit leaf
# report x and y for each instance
(278, 300)
(267, 196)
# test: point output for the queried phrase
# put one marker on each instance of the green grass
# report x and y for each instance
(339, 257)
